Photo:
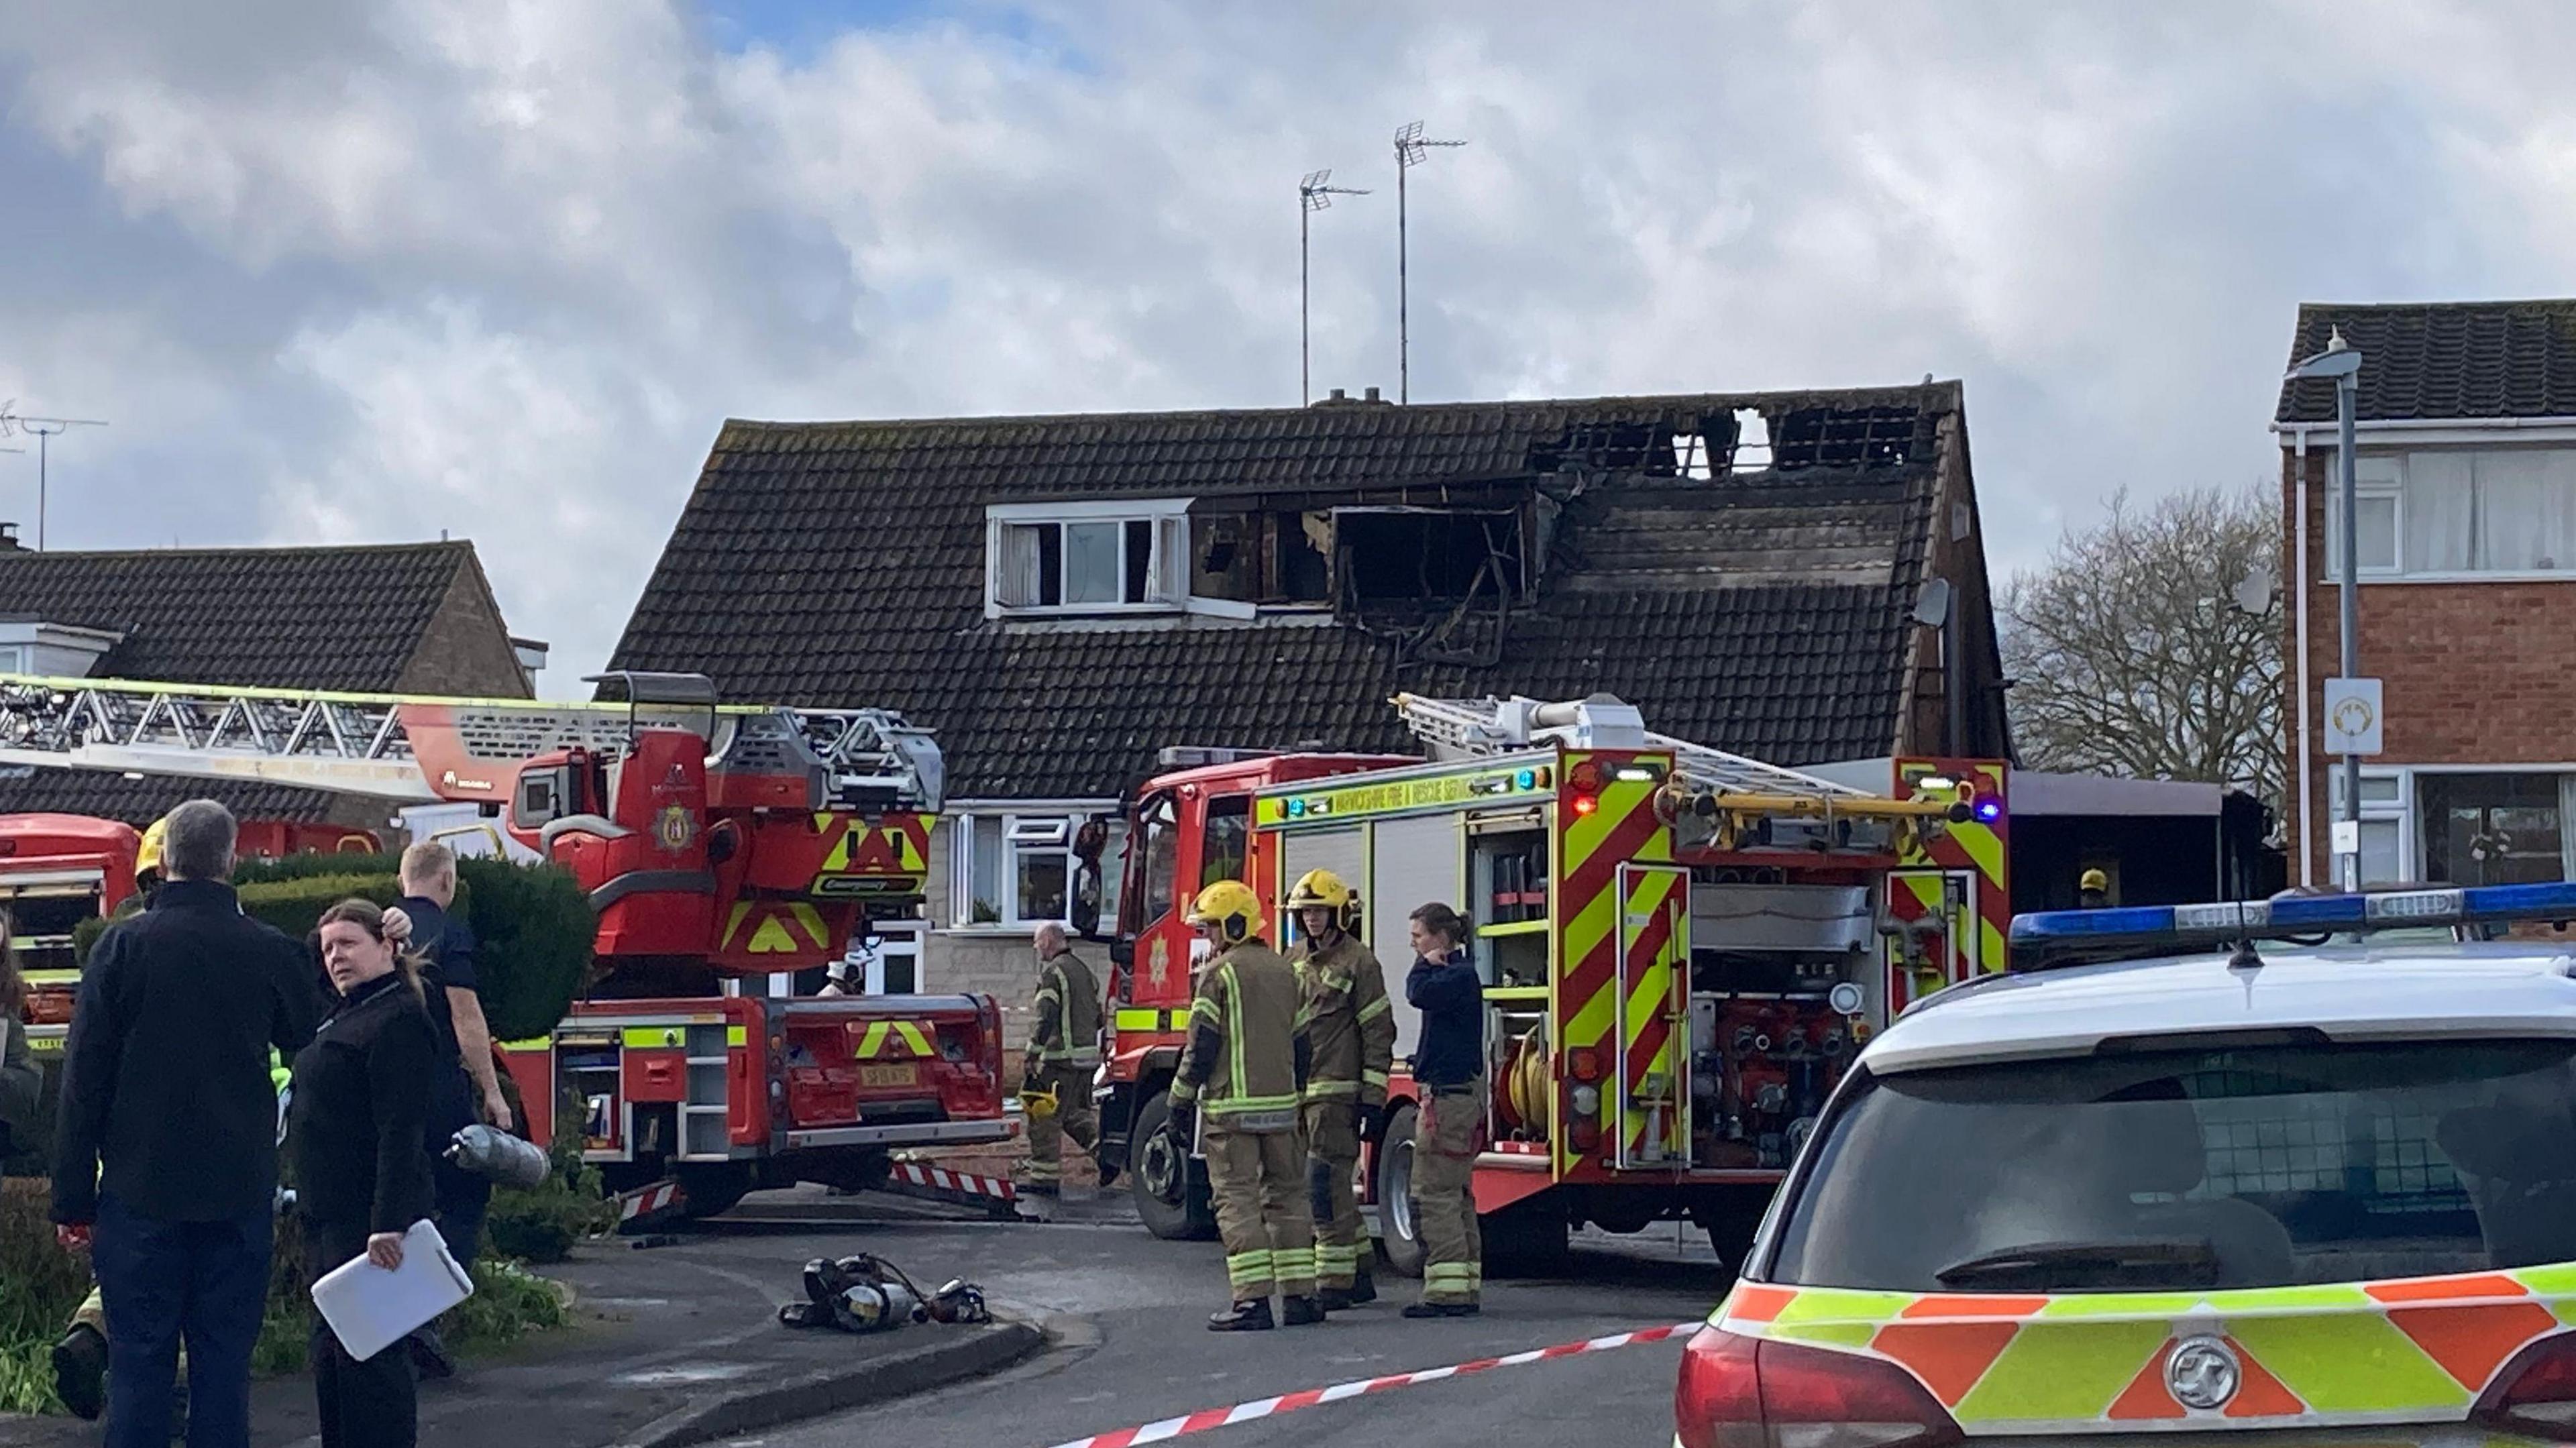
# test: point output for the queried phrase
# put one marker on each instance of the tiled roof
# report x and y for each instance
(2443, 360)
(139, 802)
(291, 618)
(843, 563)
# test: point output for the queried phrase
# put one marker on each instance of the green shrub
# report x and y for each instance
(541, 1225)
(533, 924)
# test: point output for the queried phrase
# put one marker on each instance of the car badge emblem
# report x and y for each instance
(2203, 1373)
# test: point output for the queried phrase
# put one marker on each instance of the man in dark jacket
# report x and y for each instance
(1449, 1067)
(166, 1146)
(463, 1074)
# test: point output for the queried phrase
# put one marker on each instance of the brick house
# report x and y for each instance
(1060, 598)
(399, 618)
(2465, 480)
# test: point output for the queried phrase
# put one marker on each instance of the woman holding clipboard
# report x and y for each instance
(361, 1175)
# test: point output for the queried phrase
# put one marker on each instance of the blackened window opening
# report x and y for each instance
(1397, 556)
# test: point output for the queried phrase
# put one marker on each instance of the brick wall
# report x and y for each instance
(466, 648)
(2474, 673)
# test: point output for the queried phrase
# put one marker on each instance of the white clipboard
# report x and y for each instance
(370, 1309)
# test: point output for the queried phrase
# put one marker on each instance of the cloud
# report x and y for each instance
(341, 271)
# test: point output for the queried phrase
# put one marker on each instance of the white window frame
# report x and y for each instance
(2383, 475)
(1027, 827)
(2374, 479)
(2403, 809)
(1166, 584)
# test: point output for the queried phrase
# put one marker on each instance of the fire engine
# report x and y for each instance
(717, 842)
(1681, 948)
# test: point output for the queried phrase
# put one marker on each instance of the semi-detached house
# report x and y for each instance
(1062, 598)
(2465, 515)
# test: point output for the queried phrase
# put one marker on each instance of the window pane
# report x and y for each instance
(1112, 850)
(2527, 510)
(2491, 829)
(1229, 831)
(1041, 877)
(2441, 514)
(1092, 573)
(1162, 861)
(984, 870)
(2381, 861)
(1140, 560)
(1015, 585)
(2375, 520)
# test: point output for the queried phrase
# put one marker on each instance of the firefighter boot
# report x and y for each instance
(1363, 1286)
(1253, 1316)
(1301, 1311)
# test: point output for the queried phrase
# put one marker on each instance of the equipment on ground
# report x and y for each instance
(1681, 949)
(1039, 1103)
(719, 843)
(866, 1293)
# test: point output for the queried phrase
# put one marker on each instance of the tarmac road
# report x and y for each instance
(1135, 1351)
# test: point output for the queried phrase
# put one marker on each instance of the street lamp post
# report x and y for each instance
(2340, 363)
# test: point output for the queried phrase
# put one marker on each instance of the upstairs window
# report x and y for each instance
(1085, 558)
(1276, 559)
(2459, 513)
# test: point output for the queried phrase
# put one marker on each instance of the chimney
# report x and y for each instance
(1339, 396)
(1371, 396)
(9, 538)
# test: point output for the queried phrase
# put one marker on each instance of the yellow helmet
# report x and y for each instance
(1322, 889)
(147, 860)
(2094, 880)
(1231, 906)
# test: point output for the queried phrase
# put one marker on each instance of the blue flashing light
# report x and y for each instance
(1990, 810)
(2183, 927)
(1296, 808)
(1526, 779)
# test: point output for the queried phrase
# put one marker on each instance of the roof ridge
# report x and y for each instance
(269, 550)
(2453, 305)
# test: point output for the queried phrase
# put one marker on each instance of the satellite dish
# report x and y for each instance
(2255, 593)
(1932, 605)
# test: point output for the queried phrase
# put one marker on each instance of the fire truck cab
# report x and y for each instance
(1681, 951)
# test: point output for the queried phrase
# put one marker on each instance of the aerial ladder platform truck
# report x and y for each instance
(720, 844)
(1681, 948)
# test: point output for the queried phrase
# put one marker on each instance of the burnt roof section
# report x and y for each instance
(292, 618)
(842, 563)
(2440, 360)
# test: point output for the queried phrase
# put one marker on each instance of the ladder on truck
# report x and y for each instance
(362, 744)
(1715, 784)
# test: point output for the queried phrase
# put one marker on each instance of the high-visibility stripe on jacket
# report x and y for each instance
(1067, 1028)
(1348, 1019)
(1246, 1058)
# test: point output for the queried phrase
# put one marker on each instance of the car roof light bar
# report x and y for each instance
(2056, 934)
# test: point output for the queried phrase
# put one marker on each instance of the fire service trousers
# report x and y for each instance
(1444, 1194)
(1332, 1157)
(1073, 1117)
(1259, 1181)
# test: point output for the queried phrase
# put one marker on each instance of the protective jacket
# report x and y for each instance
(1248, 1053)
(1067, 1029)
(1348, 1019)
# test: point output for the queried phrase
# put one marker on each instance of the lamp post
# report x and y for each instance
(2341, 364)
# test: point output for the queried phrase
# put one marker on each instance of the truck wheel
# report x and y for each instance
(712, 1190)
(1169, 1189)
(1399, 1236)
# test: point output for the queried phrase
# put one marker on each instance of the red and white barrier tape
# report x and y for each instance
(1206, 1418)
(943, 1180)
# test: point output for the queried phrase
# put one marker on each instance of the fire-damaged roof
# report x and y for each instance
(361, 619)
(1756, 599)
(2442, 360)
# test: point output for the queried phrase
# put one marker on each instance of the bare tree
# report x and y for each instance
(2131, 652)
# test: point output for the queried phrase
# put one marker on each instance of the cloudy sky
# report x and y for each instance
(370, 271)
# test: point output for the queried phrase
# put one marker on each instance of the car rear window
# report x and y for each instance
(2260, 1166)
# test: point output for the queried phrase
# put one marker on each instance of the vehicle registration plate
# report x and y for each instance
(889, 1075)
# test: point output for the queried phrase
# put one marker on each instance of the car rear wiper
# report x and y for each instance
(2166, 1262)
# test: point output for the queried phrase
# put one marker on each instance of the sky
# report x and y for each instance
(382, 270)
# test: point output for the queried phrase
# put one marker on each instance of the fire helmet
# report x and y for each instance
(1231, 906)
(147, 860)
(1322, 889)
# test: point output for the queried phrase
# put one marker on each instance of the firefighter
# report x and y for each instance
(1449, 1067)
(1064, 1051)
(1245, 1066)
(2093, 890)
(1352, 1027)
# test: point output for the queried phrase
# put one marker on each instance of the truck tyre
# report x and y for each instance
(1399, 1236)
(1151, 1165)
(713, 1189)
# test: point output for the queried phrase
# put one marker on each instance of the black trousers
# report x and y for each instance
(369, 1404)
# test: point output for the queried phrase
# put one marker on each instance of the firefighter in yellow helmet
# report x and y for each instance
(2093, 890)
(1245, 1069)
(1352, 1028)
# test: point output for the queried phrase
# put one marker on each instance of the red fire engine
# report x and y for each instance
(1681, 950)
(717, 842)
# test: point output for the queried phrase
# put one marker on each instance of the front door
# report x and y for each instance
(1653, 1116)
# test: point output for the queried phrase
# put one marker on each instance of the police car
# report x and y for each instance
(2286, 1167)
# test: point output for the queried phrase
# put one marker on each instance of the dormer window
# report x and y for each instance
(1107, 557)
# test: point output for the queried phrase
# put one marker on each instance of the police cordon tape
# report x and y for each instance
(1258, 1408)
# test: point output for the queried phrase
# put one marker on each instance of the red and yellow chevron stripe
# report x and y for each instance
(1973, 849)
(1622, 828)
(1654, 932)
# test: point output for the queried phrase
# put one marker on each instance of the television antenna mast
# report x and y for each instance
(1411, 150)
(1314, 193)
(44, 430)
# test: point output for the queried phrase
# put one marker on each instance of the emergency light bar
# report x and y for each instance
(2061, 933)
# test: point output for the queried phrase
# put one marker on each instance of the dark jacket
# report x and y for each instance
(446, 947)
(1451, 1051)
(165, 1073)
(361, 1096)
